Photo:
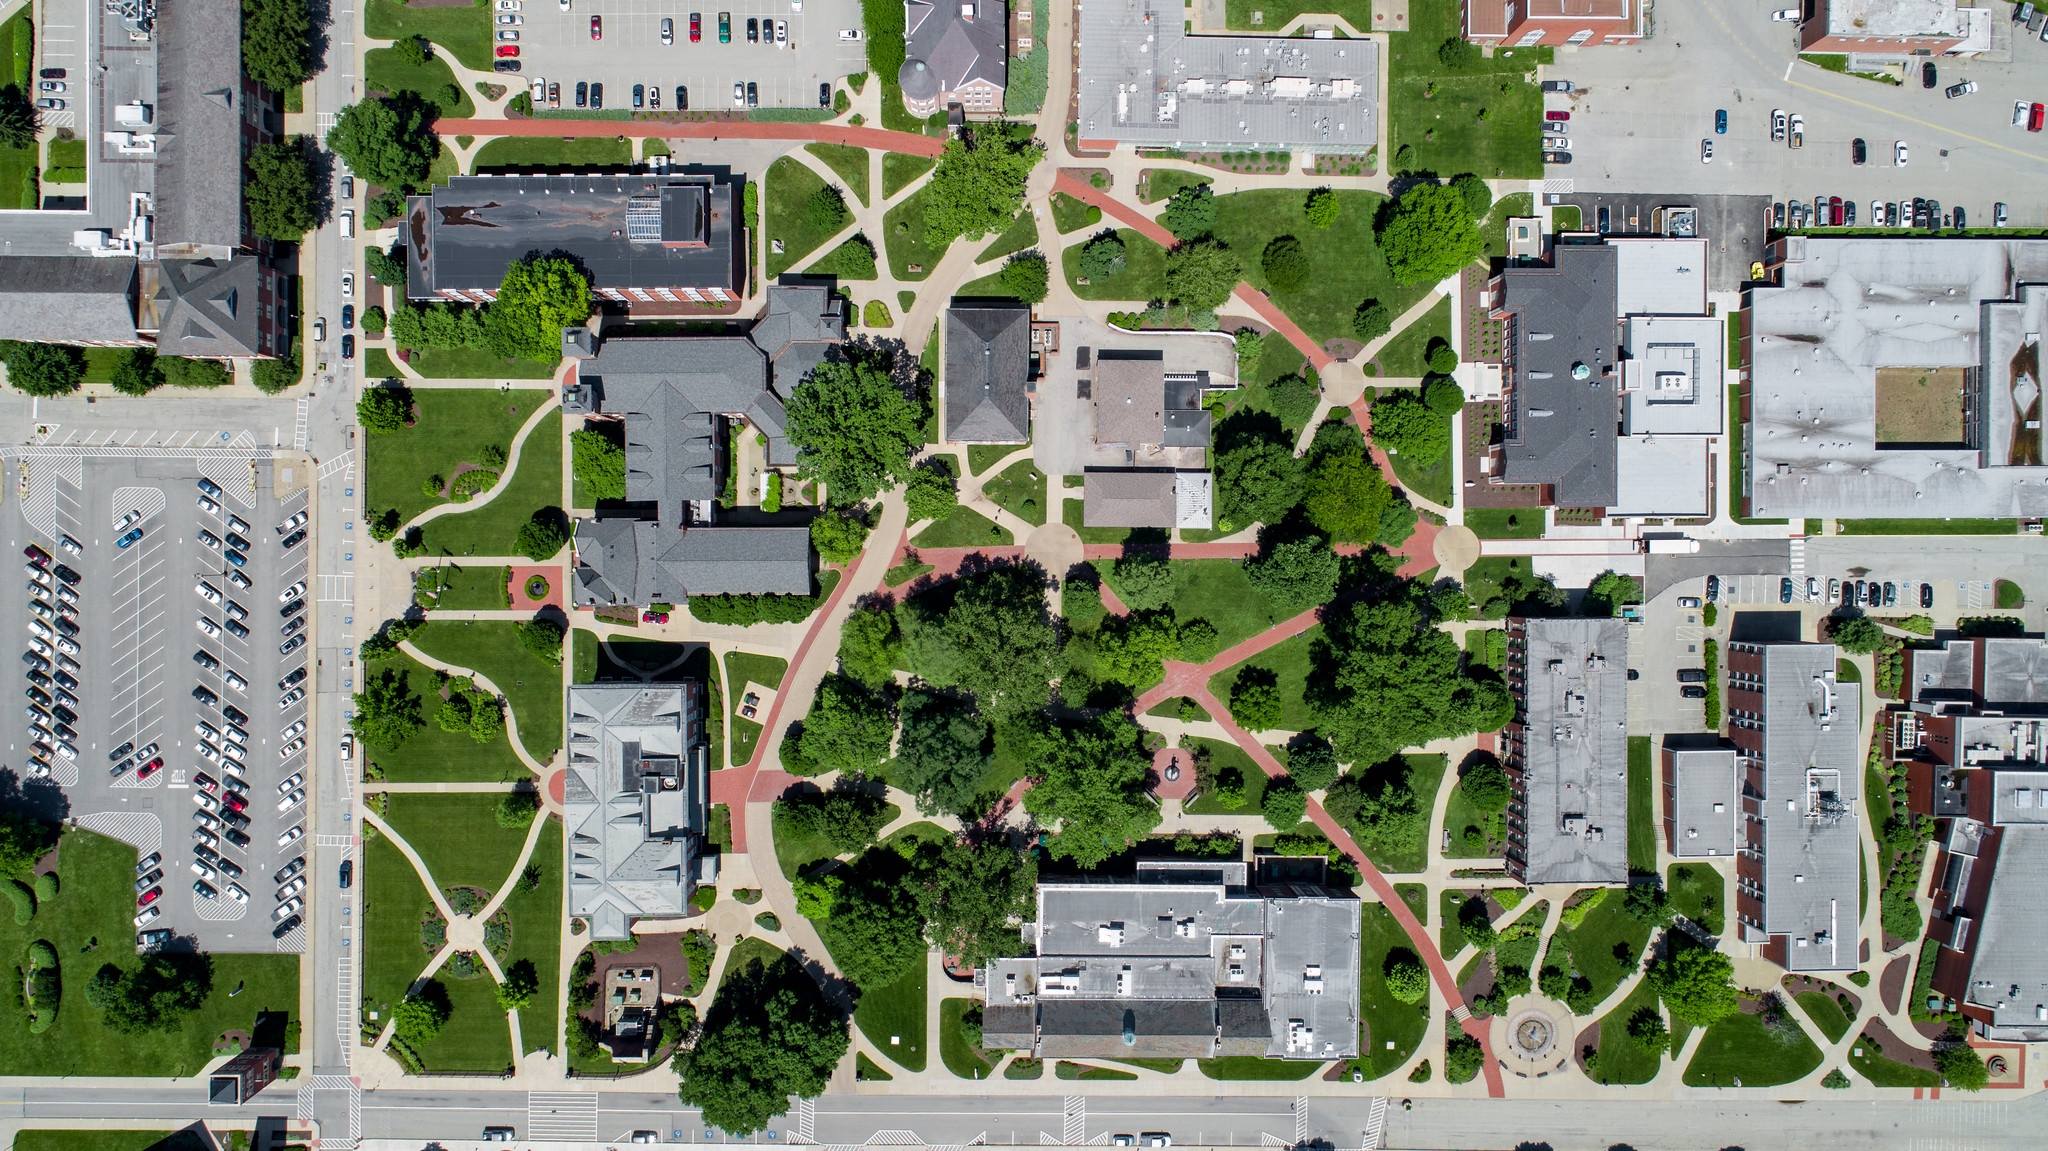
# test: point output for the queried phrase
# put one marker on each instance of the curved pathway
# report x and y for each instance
(511, 716)
(511, 469)
(878, 139)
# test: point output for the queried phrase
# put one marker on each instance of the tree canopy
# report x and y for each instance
(279, 192)
(976, 897)
(1344, 491)
(387, 711)
(994, 641)
(1387, 682)
(856, 422)
(1372, 320)
(1478, 197)
(978, 186)
(1143, 580)
(542, 536)
(1027, 276)
(870, 647)
(536, 300)
(1103, 256)
(1202, 273)
(157, 996)
(1856, 634)
(1258, 476)
(1191, 212)
(275, 34)
(388, 141)
(1321, 208)
(1094, 787)
(769, 1035)
(875, 932)
(847, 729)
(931, 492)
(599, 464)
(384, 409)
(24, 839)
(1698, 985)
(1428, 234)
(42, 369)
(942, 756)
(1285, 263)
(1404, 422)
(1295, 574)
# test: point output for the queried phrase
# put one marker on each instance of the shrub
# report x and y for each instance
(1463, 1056)
(826, 209)
(542, 638)
(46, 888)
(856, 259)
(1406, 977)
(373, 320)
(1457, 53)
(517, 808)
(1027, 276)
(1443, 360)
(1321, 208)
(23, 899)
(1286, 264)
(1372, 320)
(1284, 804)
(540, 537)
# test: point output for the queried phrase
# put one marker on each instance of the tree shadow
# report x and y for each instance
(41, 798)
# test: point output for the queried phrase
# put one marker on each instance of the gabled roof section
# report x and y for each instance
(58, 299)
(208, 307)
(633, 801)
(671, 393)
(958, 41)
(987, 359)
(199, 126)
(1566, 378)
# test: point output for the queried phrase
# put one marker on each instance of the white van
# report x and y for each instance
(348, 223)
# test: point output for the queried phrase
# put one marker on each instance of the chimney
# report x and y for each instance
(967, 11)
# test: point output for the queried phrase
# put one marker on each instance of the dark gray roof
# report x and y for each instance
(610, 568)
(797, 314)
(209, 307)
(627, 231)
(199, 125)
(1009, 1027)
(957, 49)
(1127, 498)
(670, 392)
(1159, 1028)
(58, 299)
(988, 356)
(741, 560)
(1564, 321)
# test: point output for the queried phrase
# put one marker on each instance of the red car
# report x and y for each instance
(696, 27)
(1834, 211)
(149, 769)
(506, 51)
(597, 27)
(41, 558)
(235, 801)
(149, 897)
(2034, 117)
(206, 783)
(1557, 117)
(653, 617)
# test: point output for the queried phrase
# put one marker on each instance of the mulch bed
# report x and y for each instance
(1896, 1049)
(1892, 984)
(1480, 982)
(1589, 1040)
(1794, 984)
(662, 951)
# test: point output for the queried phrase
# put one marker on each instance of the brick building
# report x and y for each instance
(1523, 23)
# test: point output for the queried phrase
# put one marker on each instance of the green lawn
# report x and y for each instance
(475, 364)
(1142, 280)
(537, 934)
(796, 851)
(1021, 234)
(1430, 479)
(476, 1036)
(1383, 1018)
(1346, 267)
(1164, 182)
(18, 187)
(1642, 818)
(377, 365)
(492, 529)
(552, 153)
(1217, 591)
(94, 1139)
(1505, 523)
(1926, 527)
(1224, 753)
(960, 1059)
(900, 168)
(464, 31)
(65, 164)
(1020, 490)
(1459, 814)
(583, 653)
(1450, 938)
(965, 528)
(492, 650)
(431, 755)
(454, 426)
(456, 836)
(384, 72)
(849, 162)
(896, 1011)
(1439, 130)
(1425, 775)
(1696, 893)
(903, 228)
(1256, 1068)
(90, 923)
(1741, 1047)
(982, 457)
(17, 49)
(1622, 1059)
(1289, 661)
(1823, 1012)
(1867, 1058)
(1404, 356)
(1494, 229)
(1606, 947)
(829, 263)
(393, 903)
(740, 668)
(1069, 214)
(473, 588)
(790, 187)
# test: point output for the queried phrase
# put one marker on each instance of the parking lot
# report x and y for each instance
(146, 659)
(1733, 226)
(556, 45)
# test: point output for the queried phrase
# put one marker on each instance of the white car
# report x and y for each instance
(348, 284)
(291, 749)
(206, 752)
(291, 697)
(293, 800)
(66, 596)
(68, 648)
(208, 506)
(207, 592)
(234, 752)
(1706, 151)
(70, 545)
(509, 20)
(206, 731)
(237, 735)
(539, 92)
(40, 630)
(236, 578)
(128, 520)
(300, 519)
(147, 914)
(235, 681)
(509, 5)
(1899, 154)
(67, 751)
(1791, 14)
(209, 539)
(209, 803)
(1877, 212)
(237, 524)
(291, 887)
(236, 892)
(2020, 108)
(207, 628)
(565, 5)
(291, 835)
(42, 649)
(38, 575)
(289, 906)
(296, 779)
(293, 592)
(296, 729)
(235, 611)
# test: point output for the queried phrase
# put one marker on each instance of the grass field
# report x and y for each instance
(18, 165)
(796, 851)
(1069, 214)
(493, 529)
(1823, 1012)
(552, 153)
(1622, 1059)
(476, 1036)
(899, 169)
(393, 902)
(790, 187)
(1505, 523)
(475, 364)
(1289, 662)
(492, 650)
(1346, 267)
(903, 228)
(965, 528)
(1164, 182)
(1435, 113)
(1696, 893)
(583, 653)
(896, 1012)
(455, 835)
(1217, 591)
(1252, 1067)
(431, 755)
(1605, 948)
(65, 163)
(1020, 490)
(960, 1059)
(1224, 753)
(1384, 1018)
(1459, 814)
(1642, 818)
(384, 72)
(1405, 356)
(1142, 279)
(472, 588)
(1430, 479)
(537, 935)
(1910, 527)
(850, 163)
(1740, 1046)
(93, 1139)
(464, 31)
(90, 923)
(1867, 1058)
(453, 428)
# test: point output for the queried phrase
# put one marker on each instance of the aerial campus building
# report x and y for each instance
(1527, 23)
(1184, 960)
(1145, 80)
(955, 55)
(1896, 377)
(1566, 751)
(635, 802)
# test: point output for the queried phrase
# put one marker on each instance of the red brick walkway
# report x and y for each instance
(876, 138)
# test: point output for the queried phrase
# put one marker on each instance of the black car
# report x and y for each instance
(1927, 74)
(1785, 590)
(205, 695)
(597, 95)
(1857, 152)
(1960, 224)
(348, 872)
(1926, 595)
(753, 31)
(235, 715)
(1557, 157)
(825, 95)
(1891, 594)
(1606, 219)
(682, 98)
(206, 659)
(639, 95)
(506, 66)
(348, 347)
(1692, 675)
(297, 675)
(1933, 214)
(753, 95)
(287, 927)
(295, 539)
(291, 609)
(1693, 691)
(348, 317)
(1713, 588)
(582, 93)
(51, 73)
(66, 574)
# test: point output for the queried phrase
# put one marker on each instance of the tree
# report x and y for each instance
(826, 209)
(159, 994)
(1856, 634)
(1478, 197)
(1143, 580)
(875, 933)
(1027, 276)
(1094, 787)
(1202, 273)
(976, 897)
(942, 755)
(1131, 649)
(419, 1017)
(1697, 985)
(1344, 492)
(1311, 761)
(1402, 422)
(769, 1035)
(273, 376)
(839, 533)
(24, 839)
(1429, 235)
(1387, 682)
(542, 639)
(1608, 593)
(847, 729)
(1647, 1028)
(1255, 702)
(521, 984)
(42, 369)
(1321, 208)
(1961, 1066)
(1191, 212)
(1103, 256)
(373, 320)
(856, 422)
(384, 409)
(274, 38)
(994, 642)
(1407, 979)
(186, 372)
(1443, 360)
(387, 711)
(1295, 574)
(1475, 926)
(846, 817)
(1463, 1058)
(1284, 803)
(410, 50)
(856, 258)
(1444, 397)
(387, 268)
(279, 192)
(1251, 348)
(1258, 477)
(1457, 53)
(19, 119)
(1372, 320)
(930, 493)
(978, 186)
(1285, 263)
(135, 374)
(870, 647)
(388, 141)
(1646, 903)
(1486, 787)
(536, 300)
(517, 809)
(599, 464)
(541, 537)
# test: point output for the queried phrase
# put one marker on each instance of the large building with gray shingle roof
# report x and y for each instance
(987, 382)
(635, 802)
(955, 53)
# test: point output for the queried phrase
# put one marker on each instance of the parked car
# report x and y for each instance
(696, 27)
(1899, 154)
(1788, 14)
(1926, 595)
(1777, 124)
(507, 51)
(597, 27)
(1857, 153)
(1962, 89)
(1692, 675)
(668, 30)
(1720, 121)
(1692, 691)
(1706, 151)
(1557, 85)
(1557, 117)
